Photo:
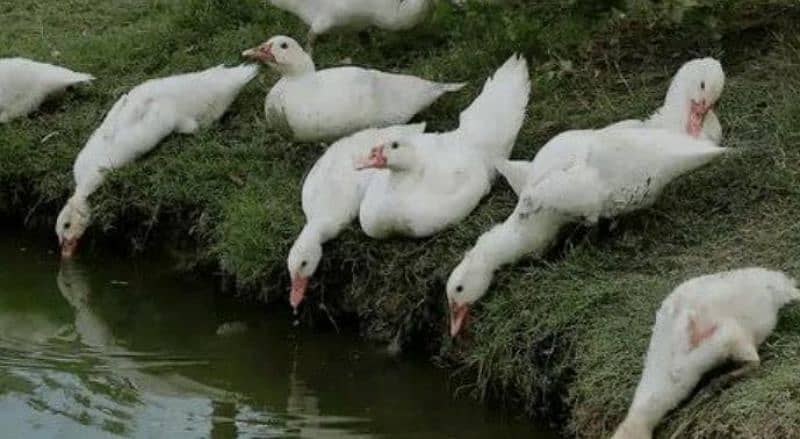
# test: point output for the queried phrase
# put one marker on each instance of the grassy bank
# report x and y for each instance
(564, 336)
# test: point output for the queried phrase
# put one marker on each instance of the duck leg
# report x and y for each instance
(723, 381)
(745, 353)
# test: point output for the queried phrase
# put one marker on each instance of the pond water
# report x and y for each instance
(112, 347)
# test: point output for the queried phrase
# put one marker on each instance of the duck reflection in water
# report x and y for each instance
(94, 333)
(78, 372)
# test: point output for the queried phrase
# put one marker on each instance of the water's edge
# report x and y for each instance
(75, 280)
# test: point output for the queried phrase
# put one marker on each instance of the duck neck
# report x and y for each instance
(655, 396)
(634, 426)
(506, 243)
(317, 231)
(302, 67)
(674, 114)
(406, 166)
(79, 201)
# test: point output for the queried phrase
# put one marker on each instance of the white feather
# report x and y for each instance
(700, 79)
(336, 102)
(139, 121)
(322, 16)
(333, 191)
(448, 174)
(577, 176)
(26, 84)
(738, 308)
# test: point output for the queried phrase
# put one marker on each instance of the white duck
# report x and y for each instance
(25, 84)
(436, 180)
(138, 122)
(689, 104)
(577, 176)
(702, 324)
(332, 194)
(325, 15)
(332, 103)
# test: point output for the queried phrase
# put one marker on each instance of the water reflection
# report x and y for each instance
(129, 350)
(80, 372)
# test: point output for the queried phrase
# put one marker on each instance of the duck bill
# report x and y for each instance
(375, 160)
(298, 293)
(68, 248)
(261, 53)
(697, 117)
(458, 318)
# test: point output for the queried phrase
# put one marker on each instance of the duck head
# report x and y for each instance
(71, 224)
(302, 263)
(396, 155)
(283, 54)
(696, 88)
(467, 284)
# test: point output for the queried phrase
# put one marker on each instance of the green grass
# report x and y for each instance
(563, 337)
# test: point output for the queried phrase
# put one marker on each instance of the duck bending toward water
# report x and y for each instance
(435, 180)
(332, 194)
(26, 84)
(577, 176)
(136, 124)
(332, 103)
(704, 323)
(690, 101)
(323, 16)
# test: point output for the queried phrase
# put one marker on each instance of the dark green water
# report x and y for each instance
(113, 347)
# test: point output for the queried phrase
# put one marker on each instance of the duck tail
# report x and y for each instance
(515, 172)
(78, 78)
(449, 87)
(63, 77)
(496, 116)
(792, 292)
(244, 73)
(782, 287)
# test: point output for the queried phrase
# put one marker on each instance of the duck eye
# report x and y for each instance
(284, 46)
(702, 85)
(395, 145)
(67, 226)
(304, 263)
(459, 289)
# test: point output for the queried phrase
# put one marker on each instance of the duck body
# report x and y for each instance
(594, 174)
(323, 16)
(137, 123)
(334, 188)
(441, 178)
(26, 84)
(702, 324)
(578, 176)
(423, 201)
(332, 103)
(332, 194)
(143, 117)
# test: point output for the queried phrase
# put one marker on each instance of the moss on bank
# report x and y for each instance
(563, 336)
